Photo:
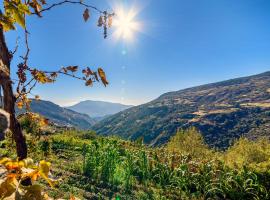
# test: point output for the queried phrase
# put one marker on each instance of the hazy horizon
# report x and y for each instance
(71, 103)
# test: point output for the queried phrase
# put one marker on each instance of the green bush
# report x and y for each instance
(254, 155)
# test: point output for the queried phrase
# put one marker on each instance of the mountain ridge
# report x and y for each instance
(222, 111)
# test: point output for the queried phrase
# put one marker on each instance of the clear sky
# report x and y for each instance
(181, 43)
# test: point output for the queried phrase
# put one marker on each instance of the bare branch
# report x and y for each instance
(26, 56)
(70, 2)
(16, 47)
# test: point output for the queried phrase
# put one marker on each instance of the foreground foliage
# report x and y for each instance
(93, 167)
(15, 173)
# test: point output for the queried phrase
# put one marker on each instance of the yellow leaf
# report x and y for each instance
(3, 161)
(28, 162)
(12, 165)
(44, 167)
(20, 104)
(102, 75)
(41, 77)
(8, 187)
(7, 22)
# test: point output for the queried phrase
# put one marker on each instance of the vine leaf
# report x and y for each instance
(100, 21)
(8, 187)
(102, 75)
(89, 82)
(72, 68)
(86, 14)
(110, 21)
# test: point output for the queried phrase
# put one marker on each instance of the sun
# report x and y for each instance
(125, 24)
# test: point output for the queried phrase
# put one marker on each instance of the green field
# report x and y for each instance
(94, 167)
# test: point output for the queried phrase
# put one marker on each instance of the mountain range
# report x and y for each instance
(221, 111)
(98, 109)
(69, 117)
(59, 115)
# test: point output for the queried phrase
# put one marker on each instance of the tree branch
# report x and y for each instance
(69, 2)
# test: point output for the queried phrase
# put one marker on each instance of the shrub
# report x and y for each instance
(254, 155)
(189, 142)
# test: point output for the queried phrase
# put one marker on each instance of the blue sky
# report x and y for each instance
(182, 43)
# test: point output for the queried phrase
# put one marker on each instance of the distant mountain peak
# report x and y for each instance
(98, 109)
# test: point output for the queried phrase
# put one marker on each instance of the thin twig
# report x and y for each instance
(16, 47)
(70, 2)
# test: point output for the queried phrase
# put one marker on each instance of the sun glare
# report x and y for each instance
(125, 24)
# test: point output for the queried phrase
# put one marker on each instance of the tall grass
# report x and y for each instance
(185, 168)
(173, 172)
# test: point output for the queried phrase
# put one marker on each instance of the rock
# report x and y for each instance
(4, 123)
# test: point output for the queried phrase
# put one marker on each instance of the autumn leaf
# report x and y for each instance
(12, 165)
(102, 75)
(72, 68)
(100, 21)
(28, 162)
(20, 104)
(43, 2)
(87, 72)
(8, 187)
(44, 122)
(64, 70)
(110, 21)
(7, 23)
(41, 77)
(72, 197)
(24, 8)
(86, 14)
(53, 75)
(36, 6)
(89, 82)
(3, 161)
(44, 169)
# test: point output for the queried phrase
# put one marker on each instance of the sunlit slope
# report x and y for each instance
(221, 111)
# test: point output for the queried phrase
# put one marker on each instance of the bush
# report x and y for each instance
(189, 142)
(33, 123)
(254, 155)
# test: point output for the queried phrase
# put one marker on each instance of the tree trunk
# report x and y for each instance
(9, 98)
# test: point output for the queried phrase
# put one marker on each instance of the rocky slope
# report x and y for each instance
(222, 111)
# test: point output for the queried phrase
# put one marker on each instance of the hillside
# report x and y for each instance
(98, 109)
(222, 112)
(102, 168)
(59, 115)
